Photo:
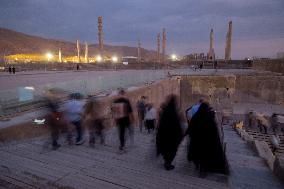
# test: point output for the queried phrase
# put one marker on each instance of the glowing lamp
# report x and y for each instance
(49, 56)
(99, 58)
(114, 59)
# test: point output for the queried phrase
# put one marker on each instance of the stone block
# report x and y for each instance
(265, 152)
(279, 168)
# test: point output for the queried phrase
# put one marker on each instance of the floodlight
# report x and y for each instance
(114, 59)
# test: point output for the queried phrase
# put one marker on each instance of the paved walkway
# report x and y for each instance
(29, 165)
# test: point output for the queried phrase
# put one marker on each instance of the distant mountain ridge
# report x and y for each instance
(13, 42)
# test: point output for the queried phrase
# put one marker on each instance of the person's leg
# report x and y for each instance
(79, 131)
(99, 131)
(152, 124)
(131, 133)
(121, 130)
(54, 136)
(92, 139)
(140, 121)
(265, 129)
(259, 126)
(147, 125)
(168, 158)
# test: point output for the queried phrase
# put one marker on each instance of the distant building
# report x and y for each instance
(130, 59)
(280, 55)
(195, 56)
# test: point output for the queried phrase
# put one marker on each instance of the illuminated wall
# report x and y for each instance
(45, 58)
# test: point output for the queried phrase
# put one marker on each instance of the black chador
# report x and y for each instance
(205, 148)
(169, 133)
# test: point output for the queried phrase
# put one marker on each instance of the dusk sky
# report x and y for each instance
(258, 25)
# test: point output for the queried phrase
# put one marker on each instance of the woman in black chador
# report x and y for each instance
(169, 133)
(205, 149)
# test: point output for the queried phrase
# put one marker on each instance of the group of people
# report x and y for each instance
(147, 115)
(12, 69)
(74, 113)
(265, 123)
(204, 148)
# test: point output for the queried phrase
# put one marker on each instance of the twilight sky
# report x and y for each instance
(258, 25)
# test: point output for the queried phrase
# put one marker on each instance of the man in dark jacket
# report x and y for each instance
(123, 116)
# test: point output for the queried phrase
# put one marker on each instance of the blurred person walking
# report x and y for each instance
(14, 70)
(123, 116)
(150, 117)
(73, 110)
(205, 149)
(169, 132)
(53, 120)
(141, 109)
(55, 117)
(93, 122)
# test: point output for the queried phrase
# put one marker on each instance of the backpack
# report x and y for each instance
(119, 110)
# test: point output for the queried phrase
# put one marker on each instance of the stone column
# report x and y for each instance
(211, 53)
(228, 47)
(164, 45)
(59, 56)
(86, 53)
(158, 47)
(78, 51)
(100, 35)
(139, 51)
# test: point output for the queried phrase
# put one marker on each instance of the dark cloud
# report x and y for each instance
(188, 22)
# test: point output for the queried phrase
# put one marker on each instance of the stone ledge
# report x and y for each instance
(265, 152)
(279, 168)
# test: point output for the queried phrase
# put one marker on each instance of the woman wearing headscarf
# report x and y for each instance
(205, 149)
(169, 133)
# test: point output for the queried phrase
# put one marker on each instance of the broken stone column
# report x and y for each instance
(59, 56)
(228, 47)
(164, 45)
(139, 51)
(78, 50)
(86, 53)
(100, 35)
(158, 48)
(211, 53)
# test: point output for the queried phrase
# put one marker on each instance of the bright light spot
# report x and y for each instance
(99, 58)
(125, 63)
(49, 56)
(30, 88)
(39, 121)
(114, 59)
(174, 57)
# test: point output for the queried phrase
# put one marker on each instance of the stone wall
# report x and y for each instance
(269, 65)
(217, 90)
(221, 91)
(260, 88)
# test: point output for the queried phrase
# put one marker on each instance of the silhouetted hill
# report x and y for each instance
(13, 42)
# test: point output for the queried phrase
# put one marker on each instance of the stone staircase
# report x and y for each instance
(31, 164)
(248, 170)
